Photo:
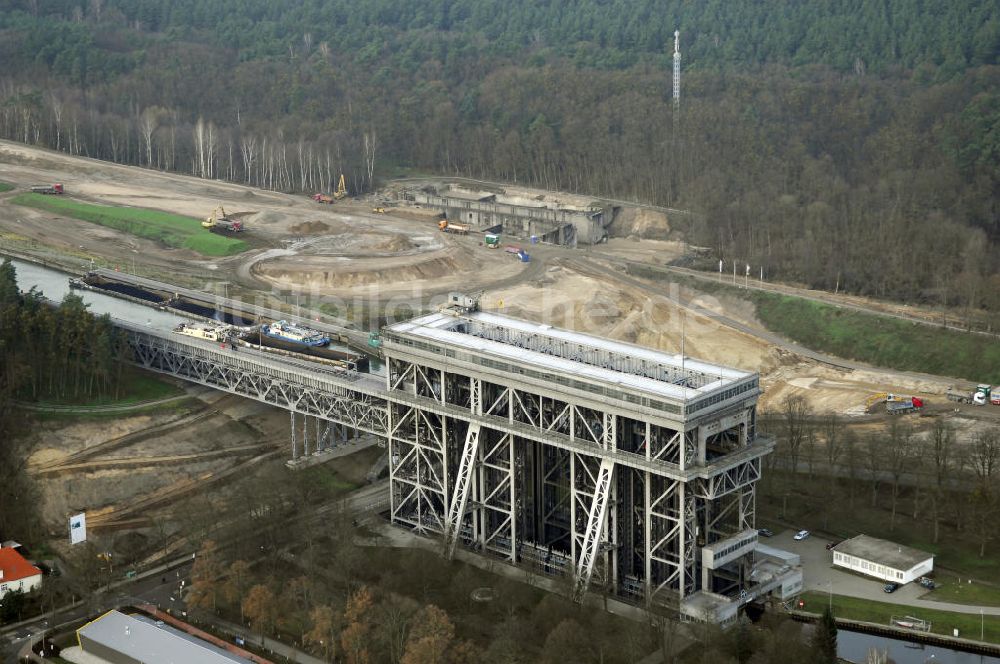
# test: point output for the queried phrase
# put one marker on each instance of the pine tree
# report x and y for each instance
(825, 639)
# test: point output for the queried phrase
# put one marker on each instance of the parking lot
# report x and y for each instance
(818, 574)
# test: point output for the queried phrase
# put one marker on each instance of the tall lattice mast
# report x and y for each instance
(677, 68)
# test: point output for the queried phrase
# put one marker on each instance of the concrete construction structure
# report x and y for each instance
(520, 218)
(563, 452)
(119, 638)
(16, 573)
(882, 559)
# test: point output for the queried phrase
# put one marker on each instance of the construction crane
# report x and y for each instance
(341, 189)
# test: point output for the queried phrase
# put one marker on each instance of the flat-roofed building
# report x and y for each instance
(577, 454)
(882, 559)
(119, 638)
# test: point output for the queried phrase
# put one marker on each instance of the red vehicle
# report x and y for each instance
(56, 189)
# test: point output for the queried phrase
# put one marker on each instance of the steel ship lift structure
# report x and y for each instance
(630, 470)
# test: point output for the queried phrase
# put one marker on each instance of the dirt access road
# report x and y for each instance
(297, 243)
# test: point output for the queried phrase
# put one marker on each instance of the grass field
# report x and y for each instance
(963, 592)
(4, 186)
(880, 340)
(170, 229)
(942, 622)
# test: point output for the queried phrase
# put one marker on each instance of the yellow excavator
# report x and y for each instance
(341, 189)
(220, 222)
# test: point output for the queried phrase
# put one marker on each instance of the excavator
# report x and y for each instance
(340, 194)
(220, 222)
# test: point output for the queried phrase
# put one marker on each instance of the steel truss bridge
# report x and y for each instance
(652, 506)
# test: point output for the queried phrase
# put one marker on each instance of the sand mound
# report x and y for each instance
(642, 223)
(357, 272)
(394, 243)
(309, 228)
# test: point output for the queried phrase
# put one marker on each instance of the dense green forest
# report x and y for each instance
(850, 146)
(46, 352)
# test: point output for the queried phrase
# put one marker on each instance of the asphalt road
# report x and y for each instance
(157, 588)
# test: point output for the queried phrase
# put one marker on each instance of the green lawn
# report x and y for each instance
(963, 592)
(942, 622)
(325, 480)
(4, 186)
(881, 340)
(171, 229)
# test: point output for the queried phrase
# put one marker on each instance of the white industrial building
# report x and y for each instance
(882, 559)
(118, 638)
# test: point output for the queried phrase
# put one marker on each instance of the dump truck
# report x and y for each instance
(56, 189)
(903, 405)
(219, 222)
(448, 227)
(323, 198)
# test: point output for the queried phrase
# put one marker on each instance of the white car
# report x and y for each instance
(801, 535)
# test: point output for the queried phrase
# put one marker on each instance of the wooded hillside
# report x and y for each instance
(848, 146)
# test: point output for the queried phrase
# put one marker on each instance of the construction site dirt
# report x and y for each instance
(304, 251)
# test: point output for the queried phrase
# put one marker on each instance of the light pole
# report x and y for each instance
(982, 624)
(830, 584)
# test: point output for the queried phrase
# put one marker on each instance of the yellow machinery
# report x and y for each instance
(341, 189)
(874, 400)
(378, 210)
(220, 222)
(217, 213)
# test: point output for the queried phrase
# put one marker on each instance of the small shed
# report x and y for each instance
(882, 559)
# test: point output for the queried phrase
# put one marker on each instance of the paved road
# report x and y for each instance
(154, 586)
(819, 575)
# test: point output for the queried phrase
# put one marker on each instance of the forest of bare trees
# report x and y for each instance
(937, 475)
(848, 174)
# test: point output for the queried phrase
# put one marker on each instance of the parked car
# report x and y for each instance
(765, 532)
(927, 583)
(801, 535)
(890, 587)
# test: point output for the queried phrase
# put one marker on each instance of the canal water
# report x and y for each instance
(54, 285)
(854, 647)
